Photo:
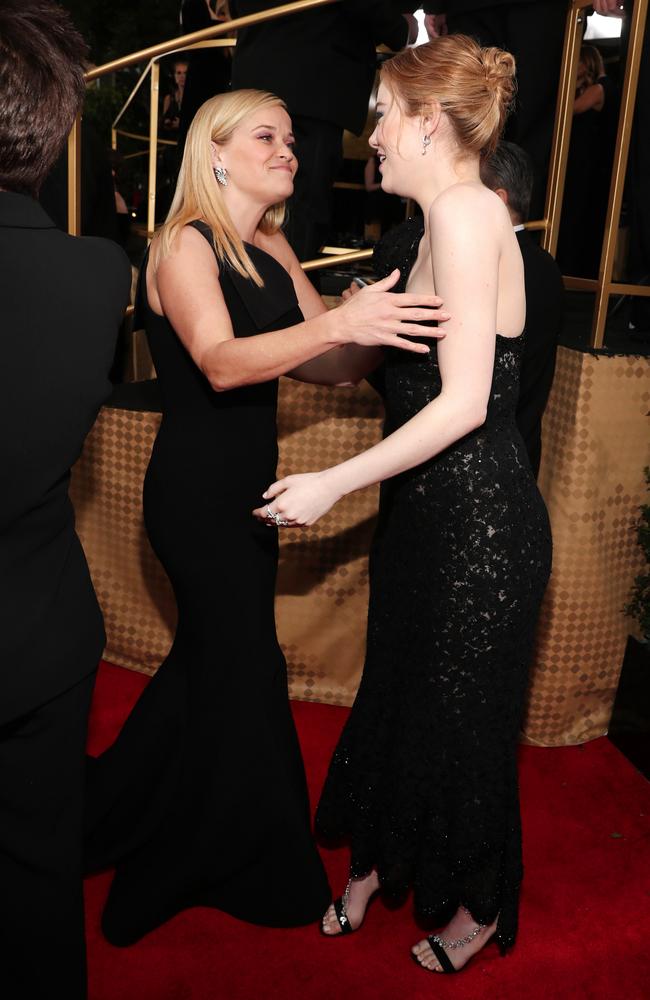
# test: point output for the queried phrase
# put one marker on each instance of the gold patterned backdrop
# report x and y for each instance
(595, 448)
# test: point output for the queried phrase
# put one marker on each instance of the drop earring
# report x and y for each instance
(426, 142)
(221, 174)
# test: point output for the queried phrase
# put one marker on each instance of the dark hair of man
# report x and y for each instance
(41, 89)
(509, 167)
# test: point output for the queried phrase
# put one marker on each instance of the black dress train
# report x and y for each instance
(424, 781)
(202, 799)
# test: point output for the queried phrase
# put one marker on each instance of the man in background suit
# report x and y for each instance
(322, 64)
(60, 309)
(533, 31)
(508, 173)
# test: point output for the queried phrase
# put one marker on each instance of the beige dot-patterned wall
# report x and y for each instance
(595, 447)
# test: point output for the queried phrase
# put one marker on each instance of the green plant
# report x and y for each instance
(639, 606)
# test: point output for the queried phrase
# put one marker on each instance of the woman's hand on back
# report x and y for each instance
(377, 317)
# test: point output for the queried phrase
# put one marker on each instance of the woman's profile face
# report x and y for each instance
(397, 140)
(259, 157)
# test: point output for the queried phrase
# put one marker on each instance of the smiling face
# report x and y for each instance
(397, 139)
(259, 156)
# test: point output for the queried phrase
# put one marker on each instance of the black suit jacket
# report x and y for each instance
(61, 306)
(321, 63)
(544, 311)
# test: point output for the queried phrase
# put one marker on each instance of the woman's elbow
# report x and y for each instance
(471, 418)
(220, 380)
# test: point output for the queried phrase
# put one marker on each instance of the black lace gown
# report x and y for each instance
(423, 782)
(202, 799)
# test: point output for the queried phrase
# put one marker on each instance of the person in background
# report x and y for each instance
(322, 64)
(382, 211)
(508, 172)
(588, 176)
(209, 69)
(533, 30)
(98, 211)
(173, 101)
(61, 306)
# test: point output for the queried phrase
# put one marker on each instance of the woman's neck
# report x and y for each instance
(446, 173)
(246, 216)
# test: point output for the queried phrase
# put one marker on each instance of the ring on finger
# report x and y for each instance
(274, 515)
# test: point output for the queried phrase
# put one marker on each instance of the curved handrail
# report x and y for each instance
(604, 286)
(214, 31)
(151, 53)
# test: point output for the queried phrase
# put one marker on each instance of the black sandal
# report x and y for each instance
(340, 909)
(438, 945)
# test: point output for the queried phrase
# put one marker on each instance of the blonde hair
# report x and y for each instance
(474, 87)
(198, 194)
(593, 63)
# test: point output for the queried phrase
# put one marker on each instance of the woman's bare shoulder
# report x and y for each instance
(466, 199)
(469, 209)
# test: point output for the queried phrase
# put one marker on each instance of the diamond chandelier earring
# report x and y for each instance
(221, 174)
(426, 142)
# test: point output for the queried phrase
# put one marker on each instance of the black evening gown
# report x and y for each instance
(202, 799)
(423, 782)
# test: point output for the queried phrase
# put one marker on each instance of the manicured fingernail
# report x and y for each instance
(265, 496)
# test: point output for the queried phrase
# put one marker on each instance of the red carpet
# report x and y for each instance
(585, 915)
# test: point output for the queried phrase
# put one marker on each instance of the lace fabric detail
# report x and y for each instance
(424, 780)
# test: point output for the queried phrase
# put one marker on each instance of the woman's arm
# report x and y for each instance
(190, 296)
(345, 365)
(591, 97)
(465, 261)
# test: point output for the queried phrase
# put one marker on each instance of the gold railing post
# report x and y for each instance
(113, 138)
(153, 149)
(74, 178)
(619, 168)
(563, 121)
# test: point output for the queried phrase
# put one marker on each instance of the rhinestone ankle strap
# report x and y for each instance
(459, 942)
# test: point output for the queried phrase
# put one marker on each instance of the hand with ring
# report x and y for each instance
(301, 499)
(272, 517)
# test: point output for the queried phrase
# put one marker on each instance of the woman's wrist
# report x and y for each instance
(333, 328)
(334, 482)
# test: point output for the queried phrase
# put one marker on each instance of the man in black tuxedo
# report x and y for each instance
(322, 64)
(533, 31)
(508, 173)
(60, 309)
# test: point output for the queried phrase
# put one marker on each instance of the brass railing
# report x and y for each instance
(153, 53)
(603, 286)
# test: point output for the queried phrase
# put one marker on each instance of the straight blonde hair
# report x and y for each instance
(198, 194)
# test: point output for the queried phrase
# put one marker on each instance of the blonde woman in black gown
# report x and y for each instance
(423, 783)
(202, 799)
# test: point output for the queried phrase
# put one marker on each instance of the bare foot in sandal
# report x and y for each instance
(346, 914)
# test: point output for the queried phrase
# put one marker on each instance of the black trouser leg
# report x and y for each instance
(319, 152)
(42, 764)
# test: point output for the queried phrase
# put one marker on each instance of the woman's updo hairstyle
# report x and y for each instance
(474, 87)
